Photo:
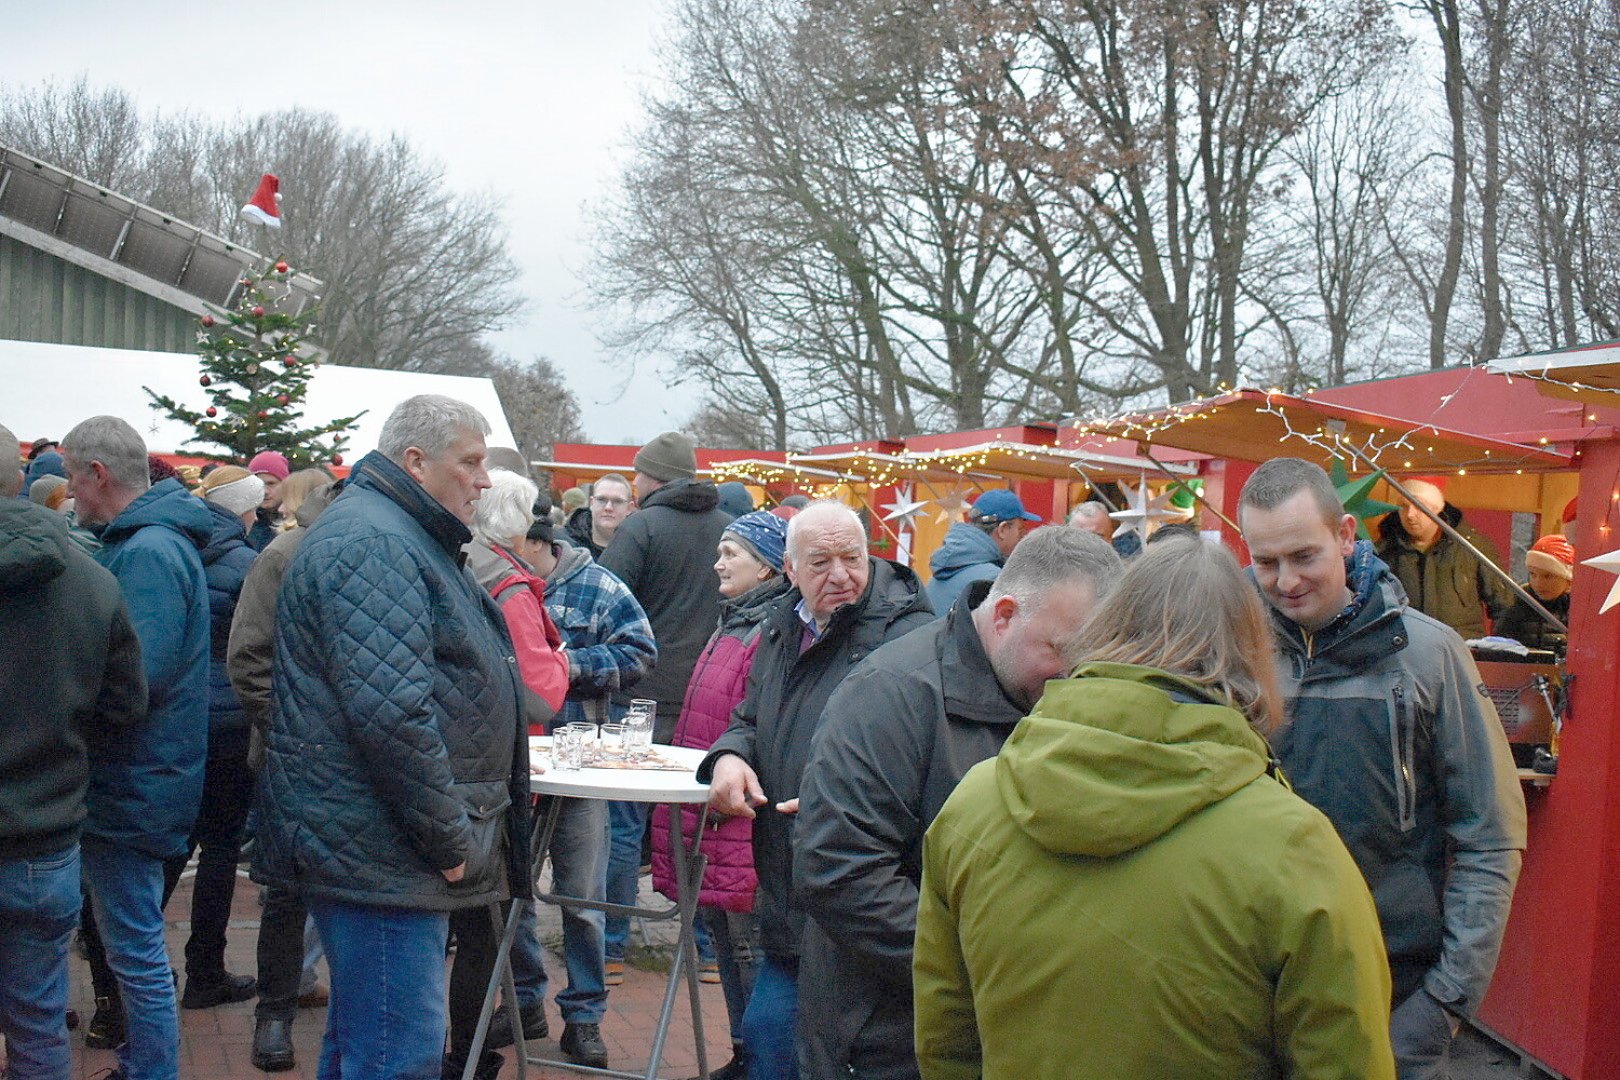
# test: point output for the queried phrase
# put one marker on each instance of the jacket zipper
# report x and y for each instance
(1402, 738)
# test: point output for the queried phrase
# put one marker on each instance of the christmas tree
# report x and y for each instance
(256, 379)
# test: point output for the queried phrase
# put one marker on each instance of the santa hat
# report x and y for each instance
(1552, 554)
(262, 207)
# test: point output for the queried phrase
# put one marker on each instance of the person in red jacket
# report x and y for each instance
(750, 570)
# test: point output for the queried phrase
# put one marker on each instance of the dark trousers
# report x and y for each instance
(478, 938)
(280, 954)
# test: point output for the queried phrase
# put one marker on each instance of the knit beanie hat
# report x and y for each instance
(233, 488)
(272, 462)
(159, 470)
(49, 463)
(671, 456)
(734, 498)
(1552, 554)
(763, 534)
(41, 490)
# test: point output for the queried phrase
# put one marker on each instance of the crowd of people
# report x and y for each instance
(1078, 806)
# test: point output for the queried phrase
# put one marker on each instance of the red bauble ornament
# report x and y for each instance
(281, 399)
(281, 267)
(258, 311)
(205, 381)
(337, 459)
(207, 320)
(263, 414)
(291, 361)
(211, 411)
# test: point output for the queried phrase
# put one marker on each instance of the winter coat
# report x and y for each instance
(772, 729)
(226, 561)
(665, 553)
(70, 677)
(968, 554)
(1390, 734)
(395, 748)
(1446, 582)
(266, 527)
(521, 597)
(251, 647)
(718, 684)
(897, 738)
(578, 528)
(1124, 892)
(609, 641)
(1524, 625)
(144, 793)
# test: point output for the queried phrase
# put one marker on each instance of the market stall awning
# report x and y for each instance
(1256, 425)
(1589, 373)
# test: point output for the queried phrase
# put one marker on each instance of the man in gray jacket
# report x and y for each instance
(1390, 734)
(895, 739)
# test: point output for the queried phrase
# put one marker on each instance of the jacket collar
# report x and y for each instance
(967, 675)
(1368, 629)
(377, 473)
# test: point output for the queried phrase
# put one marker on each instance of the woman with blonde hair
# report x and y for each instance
(1129, 889)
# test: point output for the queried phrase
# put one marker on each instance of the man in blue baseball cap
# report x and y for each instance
(975, 549)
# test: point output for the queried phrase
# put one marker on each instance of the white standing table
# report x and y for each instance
(675, 789)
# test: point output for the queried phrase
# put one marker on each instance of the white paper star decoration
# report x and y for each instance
(1144, 511)
(951, 506)
(904, 508)
(1609, 564)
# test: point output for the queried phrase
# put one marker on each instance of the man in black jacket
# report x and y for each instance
(70, 675)
(895, 739)
(844, 605)
(664, 552)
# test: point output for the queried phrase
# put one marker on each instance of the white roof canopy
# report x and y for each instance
(46, 389)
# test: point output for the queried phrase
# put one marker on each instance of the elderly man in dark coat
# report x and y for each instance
(395, 779)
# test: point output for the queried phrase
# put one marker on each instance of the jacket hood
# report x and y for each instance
(965, 545)
(166, 503)
(33, 544)
(1393, 530)
(314, 503)
(966, 670)
(376, 473)
(226, 531)
(691, 496)
(492, 566)
(1117, 756)
(571, 559)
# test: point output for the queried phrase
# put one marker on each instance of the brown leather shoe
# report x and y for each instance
(317, 997)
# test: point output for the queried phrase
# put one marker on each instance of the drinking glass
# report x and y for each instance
(612, 742)
(638, 728)
(586, 734)
(567, 748)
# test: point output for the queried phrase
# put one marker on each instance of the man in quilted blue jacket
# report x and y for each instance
(395, 779)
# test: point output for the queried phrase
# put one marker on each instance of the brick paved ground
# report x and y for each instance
(215, 1044)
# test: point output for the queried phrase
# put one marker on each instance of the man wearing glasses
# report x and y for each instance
(593, 525)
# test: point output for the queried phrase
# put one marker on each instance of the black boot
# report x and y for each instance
(106, 1029)
(221, 989)
(272, 1045)
(490, 1063)
(534, 1025)
(582, 1044)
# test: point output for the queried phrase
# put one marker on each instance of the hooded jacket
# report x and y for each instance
(718, 684)
(1125, 892)
(578, 528)
(395, 749)
(1446, 582)
(773, 727)
(521, 596)
(665, 553)
(968, 554)
(70, 677)
(1390, 734)
(898, 736)
(610, 642)
(226, 562)
(144, 792)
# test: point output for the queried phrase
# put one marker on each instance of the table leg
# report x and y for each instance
(688, 884)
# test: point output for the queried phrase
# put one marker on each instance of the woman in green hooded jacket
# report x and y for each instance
(1129, 890)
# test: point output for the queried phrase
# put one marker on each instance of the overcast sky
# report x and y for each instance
(534, 101)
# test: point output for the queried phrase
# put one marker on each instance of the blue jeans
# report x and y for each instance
(626, 823)
(388, 1015)
(126, 891)
(735, 936)
(771, 1024)
(578, 858)
(39, 909)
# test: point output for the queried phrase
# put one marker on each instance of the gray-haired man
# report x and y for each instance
(395, 774)
(894, 741)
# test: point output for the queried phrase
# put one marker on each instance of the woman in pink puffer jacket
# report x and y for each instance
(751, 581)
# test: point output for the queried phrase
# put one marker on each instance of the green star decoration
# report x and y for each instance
(1353, 493)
